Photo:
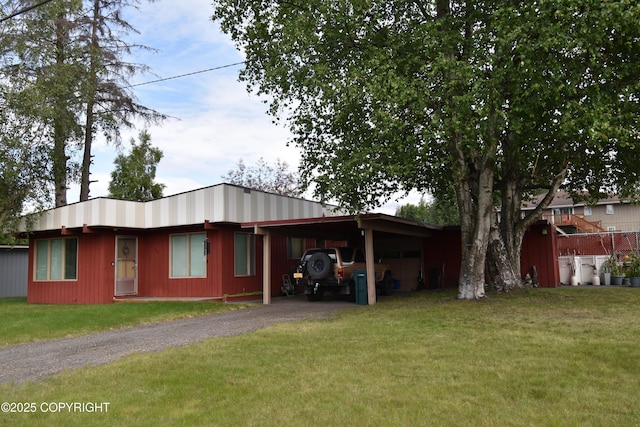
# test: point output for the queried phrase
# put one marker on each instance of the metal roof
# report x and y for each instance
(223, 203)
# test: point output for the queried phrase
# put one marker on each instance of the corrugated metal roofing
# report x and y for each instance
(223, 203)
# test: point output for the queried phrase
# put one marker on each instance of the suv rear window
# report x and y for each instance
(330, 252)
(346, 254)
(351, 255)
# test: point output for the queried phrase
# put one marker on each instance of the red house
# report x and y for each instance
(188, 245)
(222, 241)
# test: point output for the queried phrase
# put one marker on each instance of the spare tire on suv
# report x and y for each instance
(318, 266)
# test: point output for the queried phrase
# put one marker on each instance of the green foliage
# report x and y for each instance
(63, 75)
(24, 171)
(435, 212)
(42, 73)
(632, 262)
(135, 173)
(611, 265)
(108, 101)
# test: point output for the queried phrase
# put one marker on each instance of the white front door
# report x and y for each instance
(126, 265)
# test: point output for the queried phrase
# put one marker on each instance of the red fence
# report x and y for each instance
(599, 244)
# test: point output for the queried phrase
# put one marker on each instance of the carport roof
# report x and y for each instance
(341, 227)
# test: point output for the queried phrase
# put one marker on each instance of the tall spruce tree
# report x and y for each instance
(108, 103)
(135, 173)
(43, 69)
(64, 63)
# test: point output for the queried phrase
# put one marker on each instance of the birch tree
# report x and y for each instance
(498, 98)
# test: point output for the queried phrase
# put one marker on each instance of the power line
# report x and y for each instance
(188, 74)
(25, 10)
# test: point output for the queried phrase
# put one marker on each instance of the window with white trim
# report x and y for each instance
(244, 254)
(188, 257)
(587, 211)
(56, 259)
(609, 209)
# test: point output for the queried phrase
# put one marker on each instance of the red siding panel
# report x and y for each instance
(94, 284)
(154, 272)
(540, 249)
(442, 257)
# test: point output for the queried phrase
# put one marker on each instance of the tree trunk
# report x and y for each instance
(503, 263)
(505, 248)
(60, 130)
(85, 178)
(475, 200)
(503, 256)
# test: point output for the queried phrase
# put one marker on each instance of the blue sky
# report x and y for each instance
(216, 121)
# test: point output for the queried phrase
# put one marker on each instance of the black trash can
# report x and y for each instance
(362, 293)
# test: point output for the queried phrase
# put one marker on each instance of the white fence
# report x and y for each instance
(584, 267)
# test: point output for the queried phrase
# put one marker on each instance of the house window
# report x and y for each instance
(295, 247)
(188, 255)
(587, 211)
(56, 259)
(609, 209)
(563, 211)
(245, 260)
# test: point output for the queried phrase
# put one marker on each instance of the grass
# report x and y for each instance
(550, 357)
(21, 322)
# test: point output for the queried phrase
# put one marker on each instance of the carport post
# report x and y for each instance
(266, 263)
(370, 261)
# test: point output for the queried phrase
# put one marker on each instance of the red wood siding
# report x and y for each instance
(233, 284)
(154, 268)
(95, 274)
(154, 262)
(540, 249)
(442, 254)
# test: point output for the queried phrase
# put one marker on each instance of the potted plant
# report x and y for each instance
(611, 268)
(606, 268)
(617, 272)
(633, 269)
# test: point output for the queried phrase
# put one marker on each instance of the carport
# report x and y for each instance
(351, 228)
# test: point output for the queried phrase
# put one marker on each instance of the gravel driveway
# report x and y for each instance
(39, 360)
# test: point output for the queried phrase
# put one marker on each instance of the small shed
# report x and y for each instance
(14, 261)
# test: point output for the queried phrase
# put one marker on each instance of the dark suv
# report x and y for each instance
(331, 270)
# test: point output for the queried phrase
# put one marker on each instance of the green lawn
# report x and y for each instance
(21, 322)
(548, 357)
